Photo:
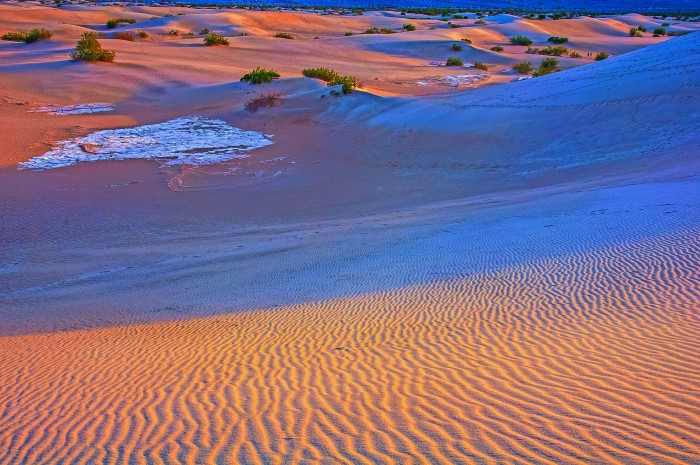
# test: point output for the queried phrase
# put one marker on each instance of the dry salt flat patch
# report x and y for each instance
(84, 108)
(456, 80)
(191, 140)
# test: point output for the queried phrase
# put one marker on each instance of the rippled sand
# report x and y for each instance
(588, 358)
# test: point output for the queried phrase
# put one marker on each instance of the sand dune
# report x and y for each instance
(591, 358)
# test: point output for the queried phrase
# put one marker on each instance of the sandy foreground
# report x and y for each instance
(412, 273)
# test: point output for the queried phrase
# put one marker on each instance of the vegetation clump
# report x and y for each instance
(547, 66)
(260, 76)
(556, 40)
(520, 40)
(575, 55)
(600, 56)
(524, 67)
(330, 76)
(481, 66)
(215, 39)
(143, 34)
(349, 33)
(114, 22)
(204, 31)
(35, 35)
(124, 36)
(466, 41)
(642, 28)
(480, 22)
(456, 47)
(284, 35)
(659, 31)
(261, 101)
(89, 49)
(409, 27)
(454, 61)
(375, 30)
(497, 48)
(635, 32)
(556, 51)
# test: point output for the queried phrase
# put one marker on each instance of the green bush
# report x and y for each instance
(332, 78)
(124, 36)
(284, 35)
(557, 51)
(575, 55)
(635, 32)
(547, 66)
(215, 39)
(89, 49)
(480, 22)
(497, 48)
(524, 67)
(520, 40)
(349, 33)
(454, 61)
(374, 30)
(259, 76)
(409, 27)
(143, 34)
(35, 35)
(204, 31)
(174, 32)
(665, 24)
(481, 66)
(454, 26)
(456, 47)
(642, 28)
(600, 56)
(114, 22)
(466, 41)
(558, 40)
(659, 31)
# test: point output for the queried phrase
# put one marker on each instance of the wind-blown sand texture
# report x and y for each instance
(411, 273)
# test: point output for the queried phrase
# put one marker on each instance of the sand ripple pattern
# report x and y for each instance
(589, 358)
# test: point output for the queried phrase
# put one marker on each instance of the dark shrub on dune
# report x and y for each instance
(204, 31)
(261, 101)
(481, 66)
(520, 40)
(454, 61)
(89, 49)
(659, 31)
(114, 22)
(456, 47)
(558, 40)
(409, 27)
(143, 35)
(215, 39)
(642, 28)
(547, 66)
(375, 30)
(575, 55)
(35, 35)
(497, 48)
(557, 51)
(124, 36)
(284, 35)
(635, 32)
(260, 76)
(600, 56)
(332, 78)
(524, 67)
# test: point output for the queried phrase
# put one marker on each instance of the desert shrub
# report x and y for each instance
(348, 83)
(558, 40)
(557, 51)
(600, 56)
(575, 55)
(14, 36)
(284, 35)
(174, 32)
(454, 26)
(635, 32)
(454, 61)
(35, 35)
(547, 66)
(520, 40)
(456, 47)
(481, 66)
(89, 49)
(204, 32)
(114, 22)
(143, 34)
(349, 33)
(324, 74)
(524, 67)
(497, 48)
(467, 41)
(124, 36)
(665, 24)
(375, 30)
(215, 39)
(261, 101)
(259, 76)
(659, 31)
(409, 27)
(480, 22)
(642, 28)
